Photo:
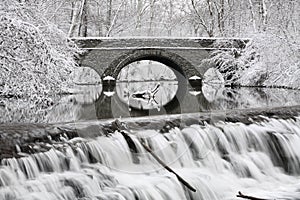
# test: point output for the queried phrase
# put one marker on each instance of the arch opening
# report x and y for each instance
(175, 67)
(146, 70)
(180, 67)
(146, 85)
(175, 62)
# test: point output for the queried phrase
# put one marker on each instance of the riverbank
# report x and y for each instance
(270, 59)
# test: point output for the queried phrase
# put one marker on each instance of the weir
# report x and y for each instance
(259, 158)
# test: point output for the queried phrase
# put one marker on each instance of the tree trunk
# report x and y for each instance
(248, 197)
(74, 18)
(168, 168)
(139, 15)
(252, 15)
(152, 2)
(100, 21)
(210, 29)
(108, 15)
(171, 13)
(263, 15)
(83, 19)
(221, 17)
(114, 20)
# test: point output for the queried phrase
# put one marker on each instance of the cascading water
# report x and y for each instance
(219, 160)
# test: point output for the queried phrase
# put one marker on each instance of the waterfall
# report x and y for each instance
(262, 159)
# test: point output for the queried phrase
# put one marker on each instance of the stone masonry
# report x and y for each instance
(107, 56)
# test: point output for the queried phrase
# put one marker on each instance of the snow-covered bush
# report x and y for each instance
(36, 59)
(33, 59)
(277, 62)
(267, 60)
(225, 62)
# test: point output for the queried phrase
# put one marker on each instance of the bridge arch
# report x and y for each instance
(182, 68)
(107, 56)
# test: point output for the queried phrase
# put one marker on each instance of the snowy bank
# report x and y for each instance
(268, 60)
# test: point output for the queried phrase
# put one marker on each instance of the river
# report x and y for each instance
(208, 136)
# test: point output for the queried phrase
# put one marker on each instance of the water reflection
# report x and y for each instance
(96, 104)
(145, 88)
(212, 92)
(121, 104)
(146, 95)
(73, 107)
(132, 99)
(239, 98)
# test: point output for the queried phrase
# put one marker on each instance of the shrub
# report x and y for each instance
(267, 60)
(36, 59)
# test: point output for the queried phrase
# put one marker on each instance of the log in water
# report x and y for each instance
(260, 158)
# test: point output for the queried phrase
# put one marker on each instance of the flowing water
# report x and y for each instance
(261, 159)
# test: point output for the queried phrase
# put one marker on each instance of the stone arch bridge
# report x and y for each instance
(107, 56)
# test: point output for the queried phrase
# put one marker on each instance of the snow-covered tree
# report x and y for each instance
(36, 57)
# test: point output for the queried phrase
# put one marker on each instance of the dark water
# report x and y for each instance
(130, 99)
(143, 88)
(220, 159)
(78, 161)
(260, 159)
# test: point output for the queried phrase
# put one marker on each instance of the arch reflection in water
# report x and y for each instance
(146, 95)
(146, 85)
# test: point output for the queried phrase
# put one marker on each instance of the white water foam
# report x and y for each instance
(261, 159)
